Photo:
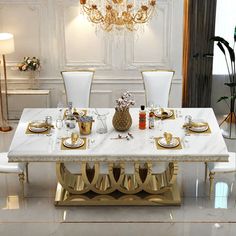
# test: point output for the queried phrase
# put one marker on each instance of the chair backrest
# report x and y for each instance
(77, 87)
(157, 86)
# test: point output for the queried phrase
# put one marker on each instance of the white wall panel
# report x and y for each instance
(18, 18)
(151, 47)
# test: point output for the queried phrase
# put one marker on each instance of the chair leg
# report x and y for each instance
(206, 171)
(22, 179)
(27, 172)
(211, 178)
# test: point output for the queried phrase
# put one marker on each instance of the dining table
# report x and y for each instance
(113, 167)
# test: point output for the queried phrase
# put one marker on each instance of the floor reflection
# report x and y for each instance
(221, 195)
(12, 203)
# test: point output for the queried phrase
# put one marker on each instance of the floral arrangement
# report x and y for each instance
(124, 102)
(28, 63)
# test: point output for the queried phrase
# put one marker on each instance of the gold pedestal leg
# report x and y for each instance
(27, 172)
(211, 178)
(22, 179)
(206, 171)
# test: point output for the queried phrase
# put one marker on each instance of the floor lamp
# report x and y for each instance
(6, 47)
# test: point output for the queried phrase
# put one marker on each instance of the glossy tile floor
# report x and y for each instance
(36, 214)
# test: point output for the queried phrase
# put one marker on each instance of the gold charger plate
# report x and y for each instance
(158, 146)
(83, 147)
(172, 117)
(28, 131)
(84, 112)
(208, 131)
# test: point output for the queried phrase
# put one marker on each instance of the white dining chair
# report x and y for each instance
(78, 87)
(219, 167)
(14, 168)
(157, 84)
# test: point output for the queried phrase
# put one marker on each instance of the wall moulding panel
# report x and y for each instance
(14, 18)
(152, 47)
(79, 44)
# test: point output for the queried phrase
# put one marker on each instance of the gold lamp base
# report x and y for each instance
(6, 129)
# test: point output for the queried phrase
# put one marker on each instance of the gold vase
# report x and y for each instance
(122, 120)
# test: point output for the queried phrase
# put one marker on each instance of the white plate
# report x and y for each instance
(68, 143)
(158, 113)
(173, 143)
(33, 126)
(199, 129)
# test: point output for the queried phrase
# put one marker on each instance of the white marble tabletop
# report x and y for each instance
(196, 147)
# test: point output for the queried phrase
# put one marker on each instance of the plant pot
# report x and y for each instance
(228, 126)
(122, 120)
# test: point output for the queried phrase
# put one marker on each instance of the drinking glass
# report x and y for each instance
(59, 123)
(48, 120)
(101, 124)
(188, 119)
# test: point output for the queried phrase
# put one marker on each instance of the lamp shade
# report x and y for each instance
(6, 43)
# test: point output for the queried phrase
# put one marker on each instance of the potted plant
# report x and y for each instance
(228, 125)
(32, 65)
(122, 120)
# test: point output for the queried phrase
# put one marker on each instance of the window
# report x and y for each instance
(225, 24)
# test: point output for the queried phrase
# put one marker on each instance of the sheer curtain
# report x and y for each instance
(199, 27)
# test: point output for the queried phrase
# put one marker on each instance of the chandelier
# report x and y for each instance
(118, 14)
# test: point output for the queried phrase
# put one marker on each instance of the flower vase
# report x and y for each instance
(33, 79)
(122, 120)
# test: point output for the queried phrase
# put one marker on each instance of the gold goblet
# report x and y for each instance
(74, 138)
(168, 137)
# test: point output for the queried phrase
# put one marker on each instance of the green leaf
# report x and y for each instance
(230, 84)
(231, 53)
(235, 34)
(223, 98)
(220, 39)
(219, 44)
(233, 97)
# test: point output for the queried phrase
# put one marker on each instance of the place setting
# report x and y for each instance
(164, 113)
(40, 126)
(73, 142)
(196, 126)
(73, 112)
(168, 141)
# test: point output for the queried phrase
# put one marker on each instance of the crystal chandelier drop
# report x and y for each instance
(118, 14)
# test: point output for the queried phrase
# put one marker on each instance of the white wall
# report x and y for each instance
(54, 31)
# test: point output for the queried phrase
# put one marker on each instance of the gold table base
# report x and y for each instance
(91, 186)
(63, 198)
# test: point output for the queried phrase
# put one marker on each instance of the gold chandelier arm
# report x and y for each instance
(143, 14)
(94, 14)
(117, 15)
